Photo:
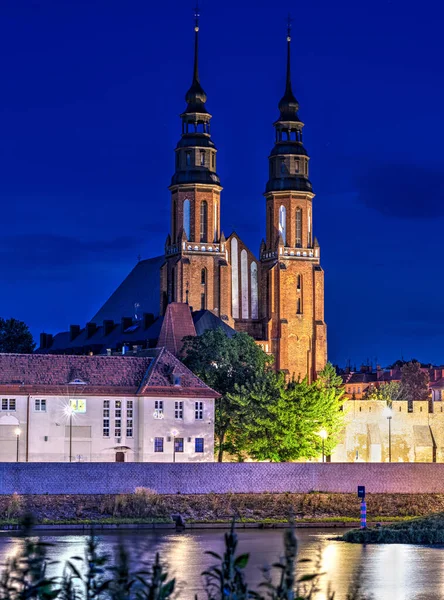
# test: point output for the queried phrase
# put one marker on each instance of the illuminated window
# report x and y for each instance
(283, 223)
(8, 404)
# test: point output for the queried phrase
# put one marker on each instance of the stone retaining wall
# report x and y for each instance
(168, 478)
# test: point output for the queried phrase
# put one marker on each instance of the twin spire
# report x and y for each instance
(288, 105)
(196, 96)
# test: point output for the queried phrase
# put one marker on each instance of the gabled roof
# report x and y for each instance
(66, 374)
(205, 319)
(141, 286)
(177, 324)
(158, 380)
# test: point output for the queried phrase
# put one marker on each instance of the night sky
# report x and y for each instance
(90, 97)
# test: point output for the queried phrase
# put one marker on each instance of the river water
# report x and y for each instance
(390, 572)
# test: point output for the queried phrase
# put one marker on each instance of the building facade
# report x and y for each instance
(61, 408)
(279, 298)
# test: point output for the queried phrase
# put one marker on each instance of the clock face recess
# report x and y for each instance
(77, 405)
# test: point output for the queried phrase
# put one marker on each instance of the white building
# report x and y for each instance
(149, 408)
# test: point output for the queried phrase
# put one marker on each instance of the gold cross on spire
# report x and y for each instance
(289, 22)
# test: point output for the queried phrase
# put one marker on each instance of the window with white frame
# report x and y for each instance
(158, 444)
(129, 418)
(40, 404)
(158, 409)
(8, 404)
(105, 415)
(118, 419)
(178, 409)
(198, 411)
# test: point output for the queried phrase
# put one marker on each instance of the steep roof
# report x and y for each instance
(65, 374)
(205, 319)
(141, 286)
(177, 324)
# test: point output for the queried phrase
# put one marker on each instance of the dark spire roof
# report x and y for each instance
(196, 97)
(288, 104)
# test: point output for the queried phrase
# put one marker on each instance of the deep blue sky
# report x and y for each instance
(90, 95)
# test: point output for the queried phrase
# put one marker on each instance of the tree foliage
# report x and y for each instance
(414, 382)
(15, 337)
(390, 392)
(259, 414)
(225, 364)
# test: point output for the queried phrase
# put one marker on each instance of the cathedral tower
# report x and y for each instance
(196, 267)
(293, 304)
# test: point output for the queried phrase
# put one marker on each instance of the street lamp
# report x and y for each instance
(174, 433)
(69, 411)
(17, 433)
(324, 435)
(388, 412)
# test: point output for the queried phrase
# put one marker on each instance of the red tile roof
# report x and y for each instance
(95, 375)
(177, 324)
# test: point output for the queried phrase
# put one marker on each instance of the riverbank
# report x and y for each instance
(421, 530)
(149, 508)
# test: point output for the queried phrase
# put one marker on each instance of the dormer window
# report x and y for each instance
(176, 379)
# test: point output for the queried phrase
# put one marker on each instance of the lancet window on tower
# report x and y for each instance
(298, 228)
(283, 223)
(204, 221)
(187, 218)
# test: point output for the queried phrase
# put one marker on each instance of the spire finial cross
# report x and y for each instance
(289, 22)
(196, 16)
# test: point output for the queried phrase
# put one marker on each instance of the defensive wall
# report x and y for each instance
(201, 478)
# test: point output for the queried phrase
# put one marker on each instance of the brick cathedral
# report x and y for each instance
(278, 299)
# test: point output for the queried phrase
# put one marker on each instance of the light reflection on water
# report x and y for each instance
(391, 572)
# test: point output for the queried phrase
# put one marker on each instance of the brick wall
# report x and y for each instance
(113, 478)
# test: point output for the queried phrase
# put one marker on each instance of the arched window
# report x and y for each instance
(244, 283)
(204, 221)
(203, 276)
(174, 231)
(186, 218)
(215, 221)
(299, 283)
(309, 229)
(202, 158)
(299, 306)
(254, 292)
(296, 165)
(188, 158)
(234, 279)
(299, 228)
(283, 223)
(270, 227)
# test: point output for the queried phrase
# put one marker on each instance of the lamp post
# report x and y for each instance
(174, 433)
(388, 412)
(69, 411)
(324, 435)
(17, 433)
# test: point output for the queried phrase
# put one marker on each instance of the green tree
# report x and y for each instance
(282, 421)
(15, 337)
(414, 382)
(226, 364)
(390, 392)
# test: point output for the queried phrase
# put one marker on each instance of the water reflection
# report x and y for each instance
(395, 572)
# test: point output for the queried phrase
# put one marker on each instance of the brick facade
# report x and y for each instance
(278, 298)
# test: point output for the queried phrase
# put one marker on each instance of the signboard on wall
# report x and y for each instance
(77, 405)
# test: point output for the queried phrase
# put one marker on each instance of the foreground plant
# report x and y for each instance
(97, 577)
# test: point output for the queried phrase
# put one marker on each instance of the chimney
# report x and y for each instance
(108, 326)
(148, 320)
(46, 341)
(91, 328)
(74, 331)
(126, 322)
